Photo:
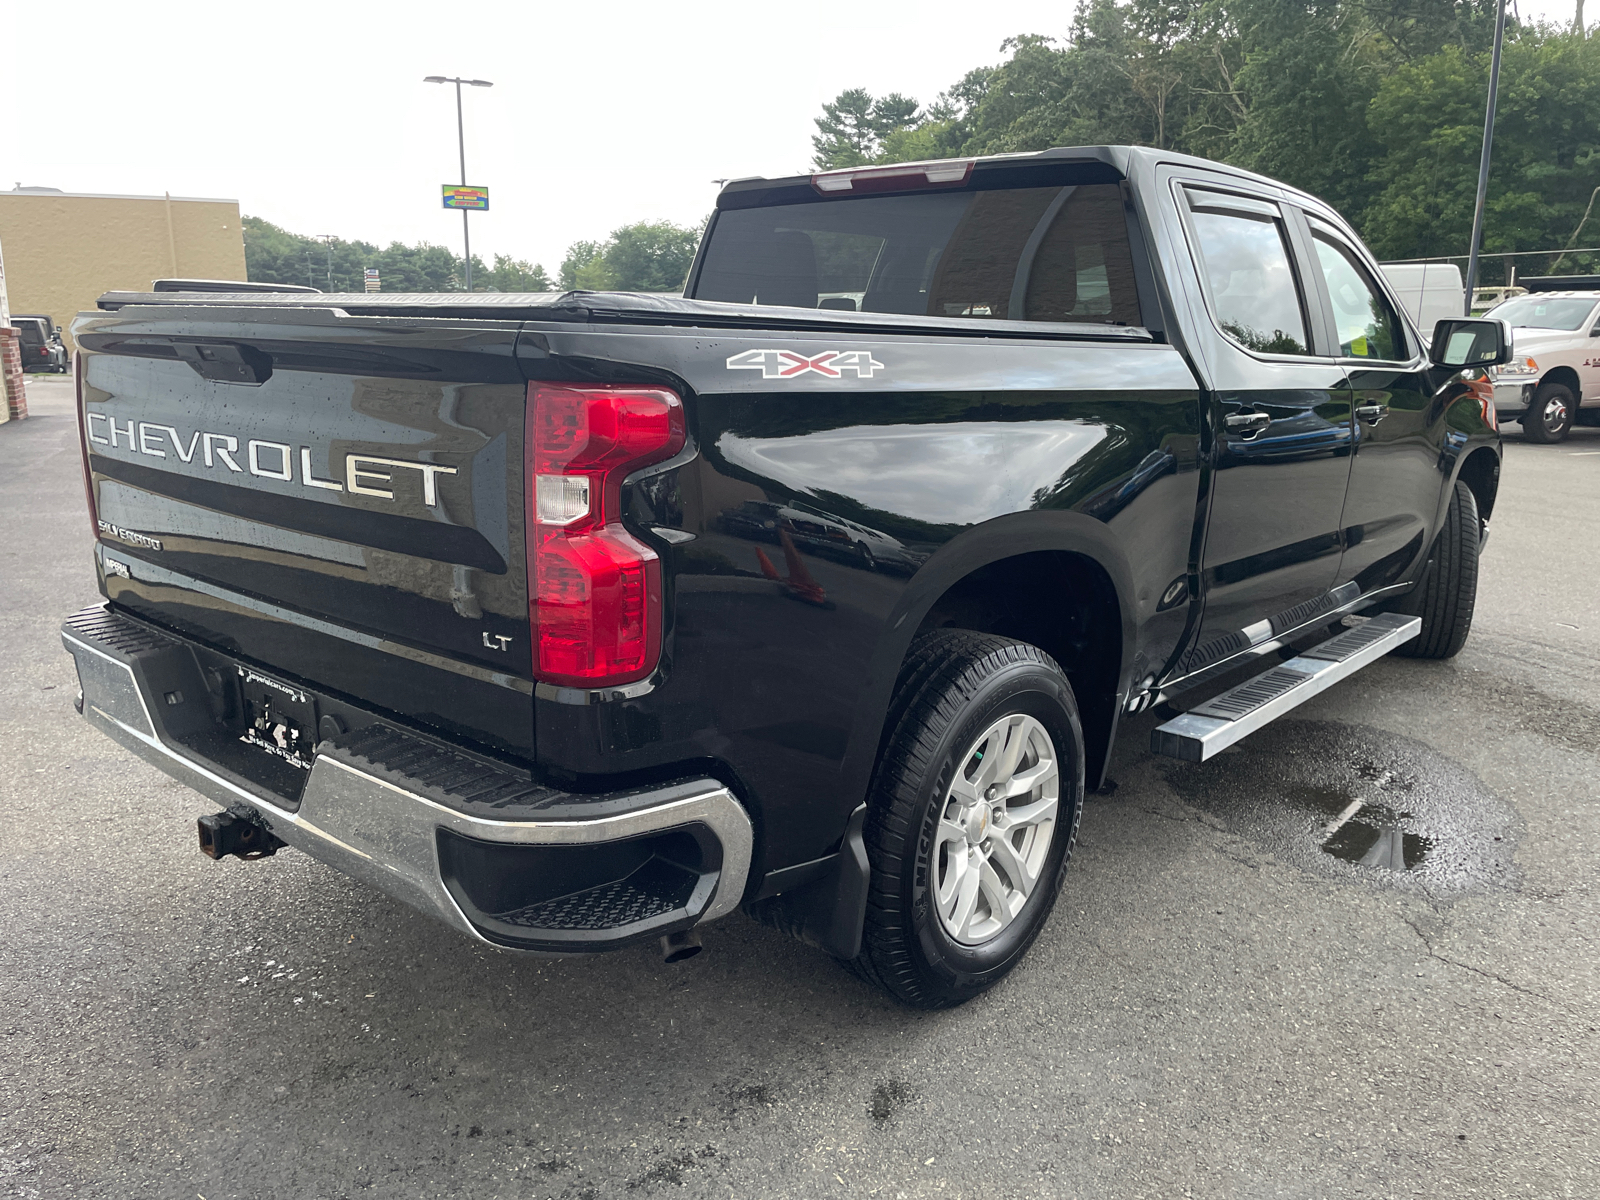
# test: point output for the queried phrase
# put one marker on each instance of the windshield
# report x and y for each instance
(1018, 254)
(1537, 312)
(32, 331)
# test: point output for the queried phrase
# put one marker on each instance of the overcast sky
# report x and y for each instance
(315, 116)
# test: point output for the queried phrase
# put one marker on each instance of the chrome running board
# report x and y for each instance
(1240, 711)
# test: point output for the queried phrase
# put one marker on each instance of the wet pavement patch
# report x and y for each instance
(1356, 802)
(887, 1097)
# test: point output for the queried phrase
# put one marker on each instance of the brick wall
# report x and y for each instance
(16, 399)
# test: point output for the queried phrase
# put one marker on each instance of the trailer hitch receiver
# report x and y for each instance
(239, 831)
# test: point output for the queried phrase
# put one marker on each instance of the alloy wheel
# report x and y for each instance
(995, 828)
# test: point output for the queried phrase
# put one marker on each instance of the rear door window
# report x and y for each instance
(1245, 260)
(1058, 254)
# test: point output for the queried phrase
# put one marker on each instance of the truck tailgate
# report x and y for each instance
(336, 498)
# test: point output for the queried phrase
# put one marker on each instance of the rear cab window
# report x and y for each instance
(1056, 254)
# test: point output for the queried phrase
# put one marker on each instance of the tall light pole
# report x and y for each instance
(461, 140)
(1483, 158)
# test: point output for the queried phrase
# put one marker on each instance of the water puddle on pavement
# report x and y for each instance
(1341, 799)
(1364, 831)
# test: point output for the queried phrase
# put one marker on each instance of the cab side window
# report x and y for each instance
(1367, 325)
(1244, 256)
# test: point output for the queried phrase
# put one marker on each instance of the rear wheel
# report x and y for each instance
(1549, 417)
(1447, 593)
(972, 817)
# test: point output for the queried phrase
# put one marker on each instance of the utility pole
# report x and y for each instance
(327, 240)
(461, 141)
(1483, 159)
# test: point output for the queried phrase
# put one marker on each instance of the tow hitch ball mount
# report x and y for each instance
(239, 831)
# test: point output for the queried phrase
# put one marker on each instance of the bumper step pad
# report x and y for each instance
(654, 890)
(1223, 720)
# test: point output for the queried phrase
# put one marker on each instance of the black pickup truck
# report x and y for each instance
(578, 620)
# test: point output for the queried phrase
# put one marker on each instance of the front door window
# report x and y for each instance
(1365, 322)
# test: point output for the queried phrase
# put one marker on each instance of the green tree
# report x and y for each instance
(1374, 105)
(651, 256)
(274, 255)
(1428, 120)
(1309, 80)
(584, 267)
(647, 256)
(852, 129)
(514, 275)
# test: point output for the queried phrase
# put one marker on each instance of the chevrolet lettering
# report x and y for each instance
(364, 474)
(818, 591)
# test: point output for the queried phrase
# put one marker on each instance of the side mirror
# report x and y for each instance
(1471, 342)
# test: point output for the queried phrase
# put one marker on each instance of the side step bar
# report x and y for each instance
(1238, 712)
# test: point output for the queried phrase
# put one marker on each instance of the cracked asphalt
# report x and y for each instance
(1218, 1008)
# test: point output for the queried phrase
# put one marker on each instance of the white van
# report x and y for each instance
(1428, 291)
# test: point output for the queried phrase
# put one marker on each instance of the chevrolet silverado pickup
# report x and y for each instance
(817, 591)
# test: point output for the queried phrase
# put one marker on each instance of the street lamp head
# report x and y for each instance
(434, 79)
(479, 83)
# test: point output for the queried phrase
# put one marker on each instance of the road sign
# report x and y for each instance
(456, 196)
(373, 285)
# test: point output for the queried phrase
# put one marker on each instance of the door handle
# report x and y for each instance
(1247, 422)
(1371, 413)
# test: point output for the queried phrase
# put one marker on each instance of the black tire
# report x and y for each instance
(954, 685)
(1448, 591)
(1549, 417)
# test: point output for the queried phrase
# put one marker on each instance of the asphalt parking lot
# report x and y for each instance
(1220, 1007)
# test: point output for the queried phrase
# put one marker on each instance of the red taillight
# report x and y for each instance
(83, 446)
(594, 590)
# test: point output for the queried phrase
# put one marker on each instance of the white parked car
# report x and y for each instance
(1553, 378)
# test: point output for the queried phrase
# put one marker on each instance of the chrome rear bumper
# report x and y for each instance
(396, 828)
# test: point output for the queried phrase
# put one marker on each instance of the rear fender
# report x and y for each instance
(1002, 538)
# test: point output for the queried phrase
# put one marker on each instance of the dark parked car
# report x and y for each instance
(41, 344)
(579, 620)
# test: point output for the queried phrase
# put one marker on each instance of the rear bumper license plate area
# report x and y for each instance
(475, 843)
(278, 719)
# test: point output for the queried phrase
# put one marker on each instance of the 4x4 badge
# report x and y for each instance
(786, 364)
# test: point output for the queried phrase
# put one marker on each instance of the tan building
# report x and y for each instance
(64, 249)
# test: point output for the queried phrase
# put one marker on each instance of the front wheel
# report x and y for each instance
(1549, 417)
(972, 818)
(1447, 593)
